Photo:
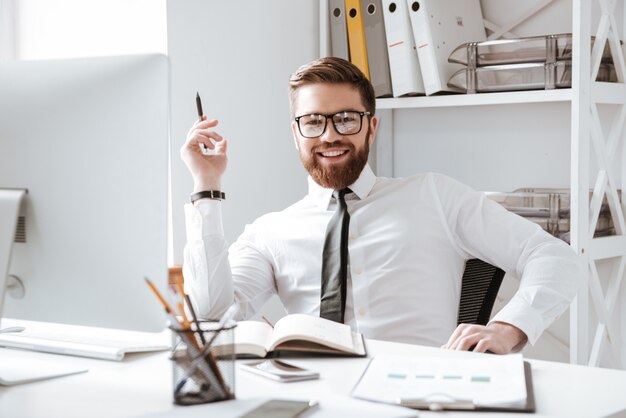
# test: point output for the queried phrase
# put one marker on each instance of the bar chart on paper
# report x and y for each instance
(488, 381)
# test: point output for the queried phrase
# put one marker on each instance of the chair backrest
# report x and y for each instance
(479, 288)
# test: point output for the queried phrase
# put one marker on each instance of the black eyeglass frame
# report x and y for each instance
(331, 116)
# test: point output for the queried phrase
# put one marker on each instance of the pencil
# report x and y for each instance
(186, 300)
(199, 106)
(178, 288)
(166, 305)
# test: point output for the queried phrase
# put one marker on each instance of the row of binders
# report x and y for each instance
(402, 46)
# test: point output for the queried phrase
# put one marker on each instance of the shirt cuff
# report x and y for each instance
(203, 219)
(522, 316)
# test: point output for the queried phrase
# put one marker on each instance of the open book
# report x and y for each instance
(294, 333)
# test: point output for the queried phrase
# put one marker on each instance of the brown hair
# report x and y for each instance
(333, 70)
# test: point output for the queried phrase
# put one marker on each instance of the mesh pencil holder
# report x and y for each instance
(203, 363)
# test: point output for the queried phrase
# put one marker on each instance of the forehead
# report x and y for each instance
(326, 98)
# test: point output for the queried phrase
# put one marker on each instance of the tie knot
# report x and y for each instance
(339, 194)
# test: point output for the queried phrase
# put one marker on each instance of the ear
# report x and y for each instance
(373, 127)
(294, 132)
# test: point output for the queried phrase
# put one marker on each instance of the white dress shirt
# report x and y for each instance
(409, 239)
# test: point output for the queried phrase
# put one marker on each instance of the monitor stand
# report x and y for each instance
(14, 368)
(10, 203)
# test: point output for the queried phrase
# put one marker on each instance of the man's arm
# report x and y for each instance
(206, 252)
(216, 276)
(549, 269)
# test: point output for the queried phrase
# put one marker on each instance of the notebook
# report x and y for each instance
(75, 340)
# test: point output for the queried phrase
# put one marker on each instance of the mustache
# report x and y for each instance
(336, 144)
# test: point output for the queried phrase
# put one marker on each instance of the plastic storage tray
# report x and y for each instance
(538, 49)
(550, 209)
(513, 77)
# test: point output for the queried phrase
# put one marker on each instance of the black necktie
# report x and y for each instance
(335, 262)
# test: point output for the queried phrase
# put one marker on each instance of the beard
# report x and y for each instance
(337, 176)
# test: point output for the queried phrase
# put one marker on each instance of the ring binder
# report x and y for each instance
(438, 405)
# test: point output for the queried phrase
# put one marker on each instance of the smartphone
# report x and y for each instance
(280, 371)
(277, 408)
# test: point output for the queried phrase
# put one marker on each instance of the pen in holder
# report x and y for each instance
(203, 370)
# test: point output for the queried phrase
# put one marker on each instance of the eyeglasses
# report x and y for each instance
(347, 122)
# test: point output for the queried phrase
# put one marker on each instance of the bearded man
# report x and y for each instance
(383, 255)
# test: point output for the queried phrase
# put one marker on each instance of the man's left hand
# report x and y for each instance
(497, 337)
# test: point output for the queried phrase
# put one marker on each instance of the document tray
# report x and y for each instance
(537, 49)
(515, 77)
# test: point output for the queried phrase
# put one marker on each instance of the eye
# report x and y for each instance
(346, 117)
(313, 122)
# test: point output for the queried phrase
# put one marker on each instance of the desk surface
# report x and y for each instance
(141, 386)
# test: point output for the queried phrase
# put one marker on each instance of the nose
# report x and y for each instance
(330, 134)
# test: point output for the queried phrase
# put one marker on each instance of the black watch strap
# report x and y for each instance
(208, 194)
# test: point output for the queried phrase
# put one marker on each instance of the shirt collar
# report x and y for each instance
(361, 187)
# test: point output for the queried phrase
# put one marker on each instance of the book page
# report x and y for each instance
(485, 381)
(314, 329)
(252, 337)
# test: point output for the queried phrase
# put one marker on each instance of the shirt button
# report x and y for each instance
(358, 270)
(361, 311)
(352, 236)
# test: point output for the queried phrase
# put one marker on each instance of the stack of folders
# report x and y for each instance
(531, 63)
(357, 32)
(403, 46)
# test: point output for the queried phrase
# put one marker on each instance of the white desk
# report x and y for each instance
(141, 386)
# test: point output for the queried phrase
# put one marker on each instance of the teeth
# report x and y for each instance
(332, 153)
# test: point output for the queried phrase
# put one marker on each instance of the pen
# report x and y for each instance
(199, 106)
(200, 114)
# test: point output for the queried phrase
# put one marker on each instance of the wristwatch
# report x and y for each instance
(208, 194)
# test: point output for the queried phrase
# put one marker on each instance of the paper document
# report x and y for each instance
(16, 370)
(491, 381)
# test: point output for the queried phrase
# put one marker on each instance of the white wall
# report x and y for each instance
(239, 55)
(52, 29)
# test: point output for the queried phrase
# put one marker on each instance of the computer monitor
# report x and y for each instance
(88, 139)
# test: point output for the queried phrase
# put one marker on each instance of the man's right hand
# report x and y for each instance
(206, 170)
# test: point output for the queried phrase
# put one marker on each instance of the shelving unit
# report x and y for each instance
(597, 137)
(453, 100)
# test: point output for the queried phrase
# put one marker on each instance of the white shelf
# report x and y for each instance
(478, 99)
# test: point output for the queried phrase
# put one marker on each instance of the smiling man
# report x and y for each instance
(385, 256)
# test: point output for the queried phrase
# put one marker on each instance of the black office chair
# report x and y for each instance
(479, 288)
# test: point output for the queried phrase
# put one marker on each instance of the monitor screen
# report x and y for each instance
(88, 138)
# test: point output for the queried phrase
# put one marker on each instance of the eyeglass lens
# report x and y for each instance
(346, 123)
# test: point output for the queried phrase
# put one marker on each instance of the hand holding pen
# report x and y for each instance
(206, 169)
